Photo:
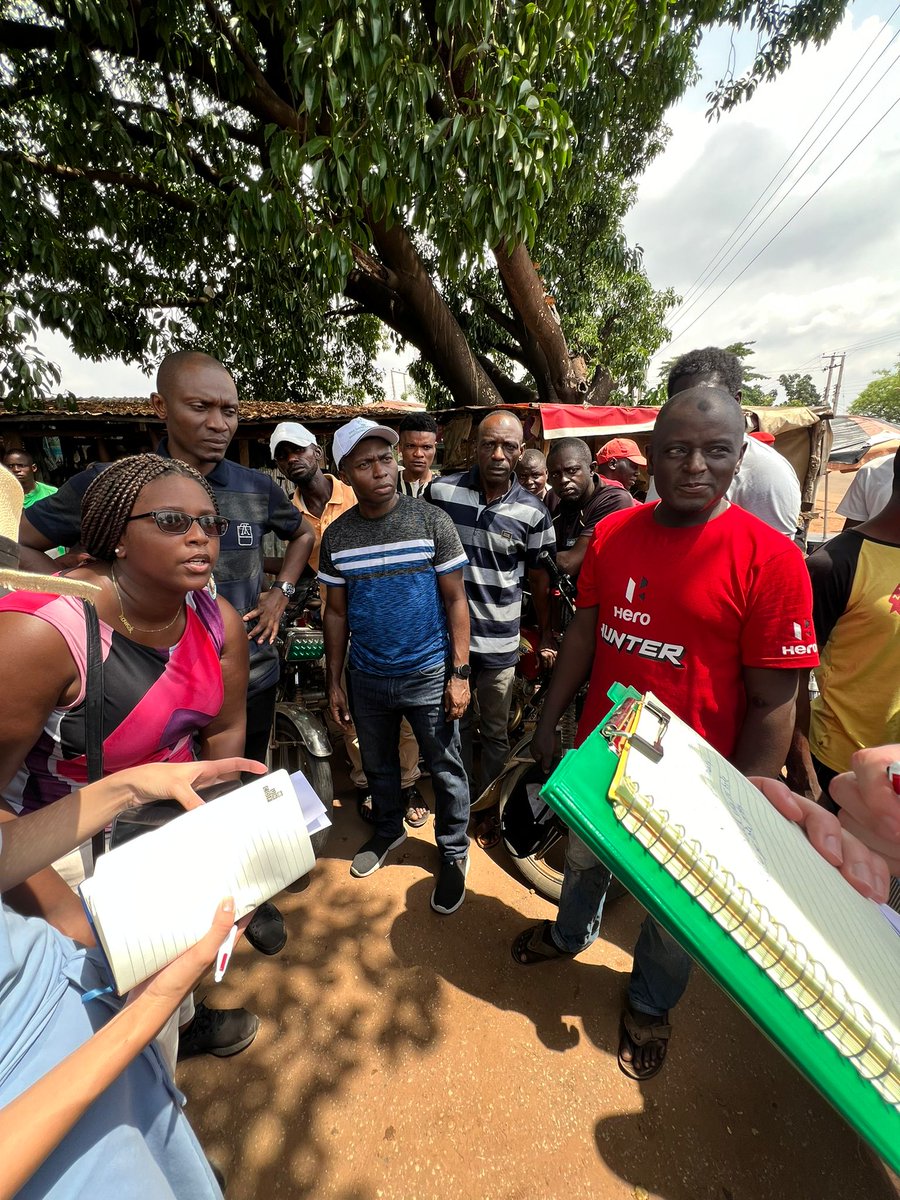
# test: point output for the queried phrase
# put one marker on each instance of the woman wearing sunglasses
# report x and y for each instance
(175, 666)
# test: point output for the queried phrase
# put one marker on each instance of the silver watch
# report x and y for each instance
(284, 586)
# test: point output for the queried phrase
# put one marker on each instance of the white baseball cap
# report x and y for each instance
(354, 431)
(293, 432)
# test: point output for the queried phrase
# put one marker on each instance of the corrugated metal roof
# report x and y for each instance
(251, 410)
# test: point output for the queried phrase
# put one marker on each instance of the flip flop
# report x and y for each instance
(417, 822)
(535, 945)
(633, 1036)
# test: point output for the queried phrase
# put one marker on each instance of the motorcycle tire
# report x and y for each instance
(289, 754)
(545, 874)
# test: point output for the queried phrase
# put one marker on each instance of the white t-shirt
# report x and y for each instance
(766, 485)
(870, 490)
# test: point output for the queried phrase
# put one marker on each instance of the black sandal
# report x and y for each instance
(535, 945)
(365, 806)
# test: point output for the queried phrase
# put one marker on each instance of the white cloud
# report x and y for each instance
(828, 282)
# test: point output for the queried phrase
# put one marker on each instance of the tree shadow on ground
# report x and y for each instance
(335, 993)
(720, 1122)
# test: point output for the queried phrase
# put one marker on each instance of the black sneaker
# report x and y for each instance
(266, 932)
(219, 1031)
(371, 856)
(450, 890)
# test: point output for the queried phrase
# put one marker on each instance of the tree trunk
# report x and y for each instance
(560, 378)
(448, 351)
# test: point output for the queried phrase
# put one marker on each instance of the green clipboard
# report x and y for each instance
(572, 791)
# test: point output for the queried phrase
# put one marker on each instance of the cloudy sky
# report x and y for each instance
(830, 281)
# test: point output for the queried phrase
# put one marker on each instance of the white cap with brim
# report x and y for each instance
(354, 432)
(11, 501)
(293, 432)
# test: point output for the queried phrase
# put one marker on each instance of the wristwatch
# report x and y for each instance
(462, 672)
(284, 586)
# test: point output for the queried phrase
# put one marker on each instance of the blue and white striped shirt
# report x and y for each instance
(390, 567)
(502, 540)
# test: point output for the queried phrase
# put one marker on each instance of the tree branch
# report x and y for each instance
(137, 183)
(511, 391)
(280, 113)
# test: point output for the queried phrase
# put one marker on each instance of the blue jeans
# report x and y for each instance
(378, 703)
(661, 968)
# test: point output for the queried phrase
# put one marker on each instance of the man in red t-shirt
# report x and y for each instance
(705, 605)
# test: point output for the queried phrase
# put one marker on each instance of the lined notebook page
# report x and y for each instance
(155, 896)
(772, 859)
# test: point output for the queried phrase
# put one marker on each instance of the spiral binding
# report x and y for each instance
(824, 1001)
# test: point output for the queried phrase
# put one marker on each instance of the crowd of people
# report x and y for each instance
(700, 595)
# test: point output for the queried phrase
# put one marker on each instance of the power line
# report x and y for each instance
(790, 219)
(797, 146)
(765, 217)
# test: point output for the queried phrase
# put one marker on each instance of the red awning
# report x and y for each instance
(601, 420)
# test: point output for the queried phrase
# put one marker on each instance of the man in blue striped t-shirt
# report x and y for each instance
(393, 570)
(503, 529)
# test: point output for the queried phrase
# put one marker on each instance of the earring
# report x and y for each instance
(118, 549)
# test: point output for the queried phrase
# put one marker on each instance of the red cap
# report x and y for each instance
(620, 448)
(768, 439)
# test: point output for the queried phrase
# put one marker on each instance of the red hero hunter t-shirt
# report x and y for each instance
(682, 611)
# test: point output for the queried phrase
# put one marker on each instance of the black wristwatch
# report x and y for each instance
(462, 672)
(284, 586)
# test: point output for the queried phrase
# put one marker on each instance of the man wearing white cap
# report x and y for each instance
(393, 569)
(319, 497)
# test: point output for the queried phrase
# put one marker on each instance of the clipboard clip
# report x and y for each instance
(618, 726)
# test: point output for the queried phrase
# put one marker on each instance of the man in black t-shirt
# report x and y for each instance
(579, 501)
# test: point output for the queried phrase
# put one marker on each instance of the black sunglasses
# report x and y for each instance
(169, 520)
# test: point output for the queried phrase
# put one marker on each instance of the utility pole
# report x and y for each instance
(837, 388)
(833, 358)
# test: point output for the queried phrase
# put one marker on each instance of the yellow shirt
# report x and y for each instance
(856, 609)
(342, 498)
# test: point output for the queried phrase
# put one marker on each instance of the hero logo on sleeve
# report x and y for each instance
(801, 631)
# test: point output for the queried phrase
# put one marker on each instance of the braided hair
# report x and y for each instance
(109, 501)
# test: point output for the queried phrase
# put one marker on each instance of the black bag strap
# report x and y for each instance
(93, 711)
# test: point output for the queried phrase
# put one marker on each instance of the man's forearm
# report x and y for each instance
(458, 630)
(334, 627)
(296, 556)
(540, 596)
(573, 666)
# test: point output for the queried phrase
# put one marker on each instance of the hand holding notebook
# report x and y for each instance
(811, 961)
(152, 898)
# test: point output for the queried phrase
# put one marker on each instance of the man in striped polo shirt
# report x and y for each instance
(393, 570)
(503, 529)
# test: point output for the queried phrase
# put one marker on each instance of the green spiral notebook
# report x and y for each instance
(811, 962)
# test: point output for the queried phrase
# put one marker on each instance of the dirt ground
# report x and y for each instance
(405, 1056)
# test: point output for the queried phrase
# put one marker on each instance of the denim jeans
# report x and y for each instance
(492, 691)
(661, 968)
(378, 703)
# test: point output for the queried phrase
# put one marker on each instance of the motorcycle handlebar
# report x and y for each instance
(564, 582)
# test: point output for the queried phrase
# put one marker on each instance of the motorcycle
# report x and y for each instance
(299, 739)
(532, 833)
